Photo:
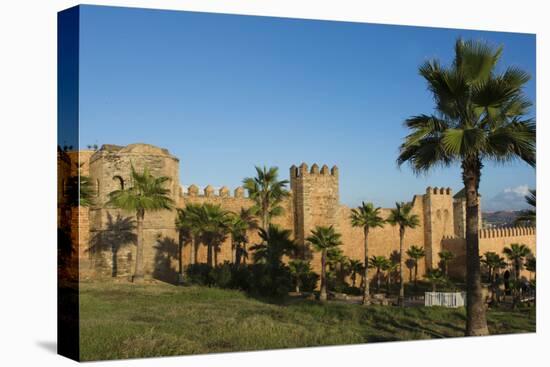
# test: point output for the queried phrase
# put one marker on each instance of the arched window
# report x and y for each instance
(120, 181)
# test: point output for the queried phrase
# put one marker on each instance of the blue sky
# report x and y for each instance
(224, 93)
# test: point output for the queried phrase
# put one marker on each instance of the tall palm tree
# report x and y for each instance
(517, 253)
(239, 226)
(416, 253)
(146, 194)
(366, 217)
(379, 263)
(324, 239)
(213, 223)
(480, 115)
(529, 216)
(403, 217)
(445, 257)
(267, 191)
(276, 243)
(355, 267)
(188, 226)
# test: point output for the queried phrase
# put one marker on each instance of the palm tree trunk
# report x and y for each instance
(265, 216)
(193, 251)
(209, 254)
(233, 252)
(476, 321)
(401, 297)
(415, 273)
(323, 292)
(180, 259)
(378, 279)
(366, 290)
(139, 271)
(114, 272)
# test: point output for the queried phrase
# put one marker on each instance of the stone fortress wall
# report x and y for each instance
(313, 200)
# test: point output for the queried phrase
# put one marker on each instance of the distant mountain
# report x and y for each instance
(501, 218)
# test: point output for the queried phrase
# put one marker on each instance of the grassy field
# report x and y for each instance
(122, 320)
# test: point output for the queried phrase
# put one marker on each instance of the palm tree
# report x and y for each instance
(529, 216)
(390, 268)
(79, 190)
(445, 257)
(402, 216)
(324, 239)
(239, 226)
(435, 277)
(146, 194)
(213, 224)
(366, 217)
(416, 253)
(276, 243)
(355, 267)
(267, 192)
(531, 266)
(378, 263)
(298, 269)
(188, 226)
(493, 262)
(479, 116)
(516, 253)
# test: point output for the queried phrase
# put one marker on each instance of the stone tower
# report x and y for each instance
(438, 222)
(109, 170)
(459, 208)
(315, 199)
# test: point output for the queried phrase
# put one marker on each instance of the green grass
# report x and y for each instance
(123, 320)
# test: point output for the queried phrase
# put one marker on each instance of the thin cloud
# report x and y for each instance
(511, 198)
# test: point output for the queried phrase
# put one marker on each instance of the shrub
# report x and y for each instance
(199, 274)
(221, 275)
(270, 281)
(309, 281)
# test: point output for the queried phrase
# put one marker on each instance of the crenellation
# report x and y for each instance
(224, 192)
(239, 192)
(507, 232)
(324, 170)
(193, 190)
(209, 191)
(334, 171)
(303, 170)
(314, 169)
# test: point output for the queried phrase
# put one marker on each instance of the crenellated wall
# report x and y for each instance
(490, 240)
(313, 200)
